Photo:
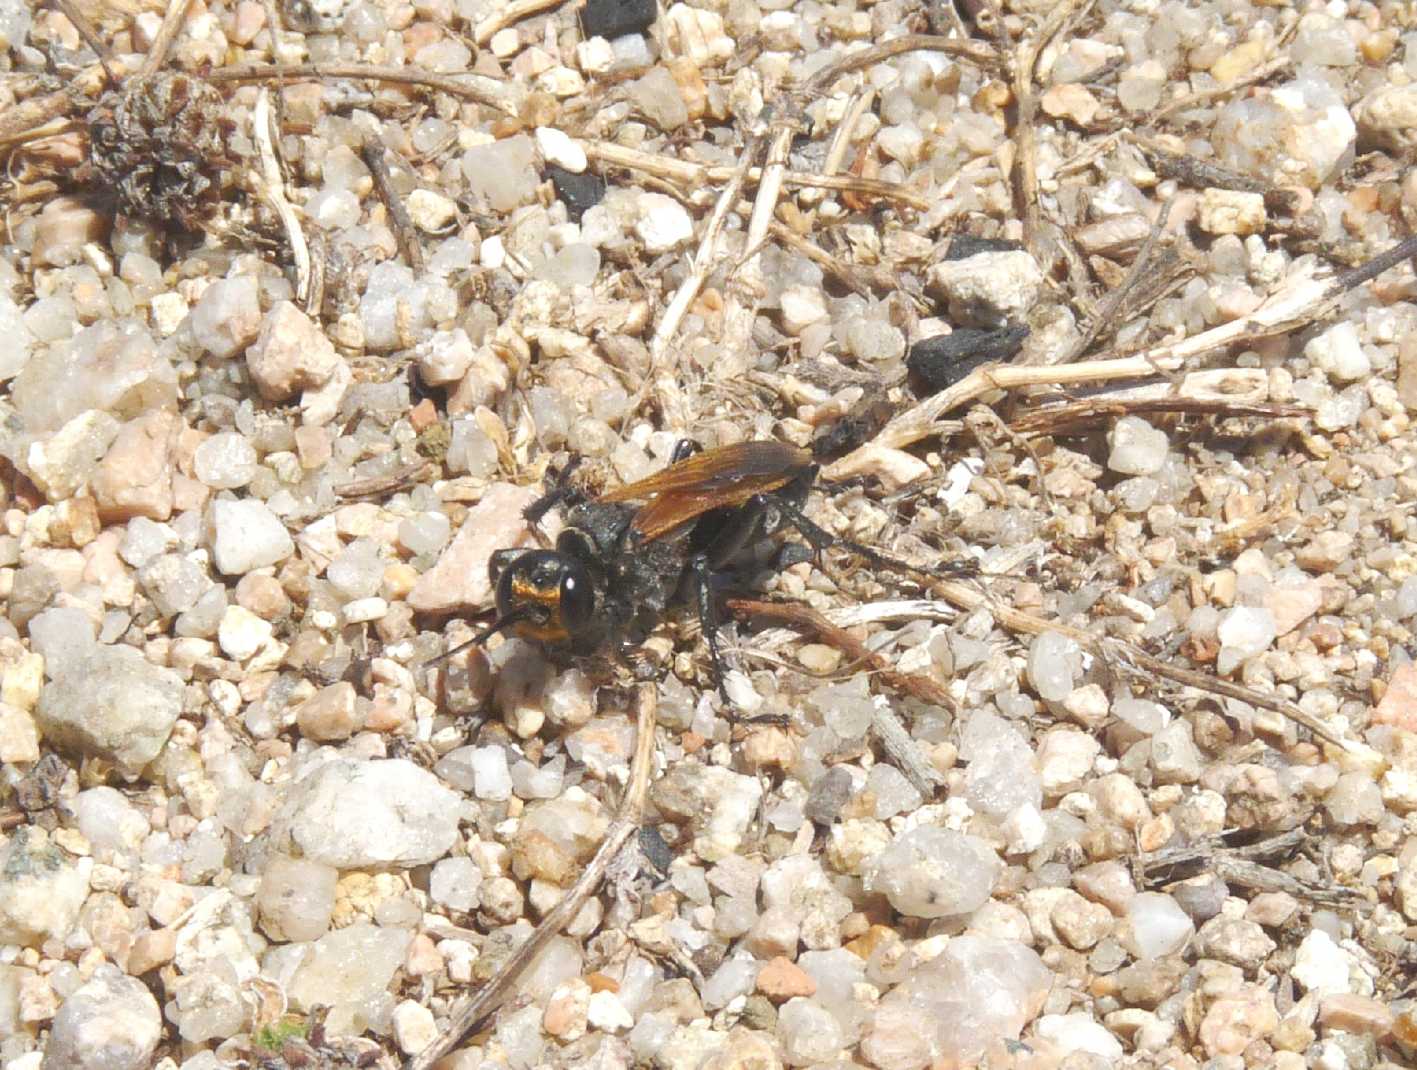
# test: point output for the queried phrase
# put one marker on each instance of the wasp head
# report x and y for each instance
(543, 595)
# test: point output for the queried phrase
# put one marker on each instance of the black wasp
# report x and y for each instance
(626, 556)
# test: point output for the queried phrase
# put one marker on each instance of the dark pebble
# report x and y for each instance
(945, 359)
(828, 795)
(963, 246)
(576, 192)
(615, 18)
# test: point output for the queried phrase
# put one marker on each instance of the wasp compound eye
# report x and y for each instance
(577, 599)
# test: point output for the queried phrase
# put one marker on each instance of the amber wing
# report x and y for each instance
(714, 479)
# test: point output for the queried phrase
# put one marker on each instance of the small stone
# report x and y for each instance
(1065, 758)
(1387, 116)
(657, 97)
(151, 949)
(1054, 662)
(1298, 134)
(1236, 1021)
(1323, 967)
(1175, 758)
(242, 633)
(560, 149)
(245, 535)
(59, 464)
(1079, 922)
(1326, 551)
(455, 883)
(1355, 799)
(1235, 940)
(1339, 353)
(19, 738)
(809, 1032)
(606, 1013)
(352, 814)
(557, 836)
(1078, 1032)
(1272, 909)
(262, 595)
(225, 461)
(135, 476)
(296, 898)
(1158, 925)
(1399, 702)
(63, 228)
(802, 306)
(663, 223)
(1137, 448)
(330, 714)
(1292, 600)
(1356, 1014)
(1070, 101)
(932, 872)
(348, 968)
(989, 288)
(977, 992)
(1244, 631)
(459, 581)
(1228, 211)
(42, 889)
(720, 803)
(445, 357)
(431, 212)
(1087, 705)
(114, 705)
(110, 1023)
(291, 354)
(227, 317)
(414, 1027)
(616, 18)
(782, 979)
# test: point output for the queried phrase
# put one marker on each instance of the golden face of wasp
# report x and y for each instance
(546, 596)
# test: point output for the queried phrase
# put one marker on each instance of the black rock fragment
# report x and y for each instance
(944, 360)
(576, 192)
(615, 18)
(963, 246)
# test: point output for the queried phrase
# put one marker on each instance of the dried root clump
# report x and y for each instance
(161, 144)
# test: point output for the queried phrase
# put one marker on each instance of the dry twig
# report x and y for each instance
(662, 378)
(626, 825)
(410, 475)
(272, 187)
(1240, 867)
(1026, 154)
(697, 176)
(509, 16)
(896, 741)
(1304, 300)
(89, 34)
(503, 96)
(172, 23)
(804, 618)
(1055, 419)
(375, 158)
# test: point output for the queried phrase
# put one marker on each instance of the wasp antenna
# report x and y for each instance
(500, 624)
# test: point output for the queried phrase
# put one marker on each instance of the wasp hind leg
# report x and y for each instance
(820, 539)
(708, 619)
(684, 449)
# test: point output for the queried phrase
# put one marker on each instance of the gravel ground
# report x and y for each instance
(303, 304)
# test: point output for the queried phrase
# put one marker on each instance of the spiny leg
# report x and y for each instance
(708, 618)
(561, 491)
(820, 539)
(684, 449)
